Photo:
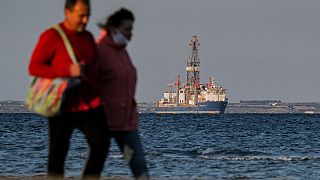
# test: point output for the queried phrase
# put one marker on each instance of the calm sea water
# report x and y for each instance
(229, 146)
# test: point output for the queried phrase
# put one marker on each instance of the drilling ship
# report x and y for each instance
(193, 97)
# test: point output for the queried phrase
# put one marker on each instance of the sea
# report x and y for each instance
(185, 146)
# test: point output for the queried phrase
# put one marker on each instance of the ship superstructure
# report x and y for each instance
(193, 97)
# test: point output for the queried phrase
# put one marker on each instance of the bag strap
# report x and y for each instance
(66, 43)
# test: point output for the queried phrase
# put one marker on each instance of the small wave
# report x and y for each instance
(172, 152)
(116, 156)
(231, 152)
(209, 152)
(259, 158)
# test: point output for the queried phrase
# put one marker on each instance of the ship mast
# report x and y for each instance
(177, 90)
(193, 70)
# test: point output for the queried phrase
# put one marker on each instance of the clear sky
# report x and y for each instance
(257, 49)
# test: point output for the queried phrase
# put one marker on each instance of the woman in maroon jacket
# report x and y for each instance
(117, 84)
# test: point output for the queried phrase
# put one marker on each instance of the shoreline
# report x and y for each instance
(40, 177)
(111, 177)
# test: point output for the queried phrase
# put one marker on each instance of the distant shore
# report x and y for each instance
(253, 106)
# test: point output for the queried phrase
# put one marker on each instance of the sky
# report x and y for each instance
(256, 49)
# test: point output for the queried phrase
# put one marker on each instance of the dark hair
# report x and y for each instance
(115, 19)
(71, 3)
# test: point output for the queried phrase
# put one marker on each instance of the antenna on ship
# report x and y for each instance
(178, 89)
(193, 70)
(209, 83)
(196, 86)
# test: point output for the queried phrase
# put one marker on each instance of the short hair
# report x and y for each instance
(115, 19)
(71, 3)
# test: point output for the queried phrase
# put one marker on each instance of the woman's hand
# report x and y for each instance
(75, 70)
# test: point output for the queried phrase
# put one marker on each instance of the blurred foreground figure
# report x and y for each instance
(82, 107)
(117, 84)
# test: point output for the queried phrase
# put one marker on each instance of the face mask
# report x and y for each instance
(119, 39)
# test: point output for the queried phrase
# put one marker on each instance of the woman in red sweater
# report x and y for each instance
(117, 84)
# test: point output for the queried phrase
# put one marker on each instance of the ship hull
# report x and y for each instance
(208, 107)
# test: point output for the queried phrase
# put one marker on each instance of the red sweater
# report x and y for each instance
(50, 59)
(117, 84)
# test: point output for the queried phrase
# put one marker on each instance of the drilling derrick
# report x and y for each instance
(193, 70)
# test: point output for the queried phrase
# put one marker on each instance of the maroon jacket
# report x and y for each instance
(50, 59)
(117, 84)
